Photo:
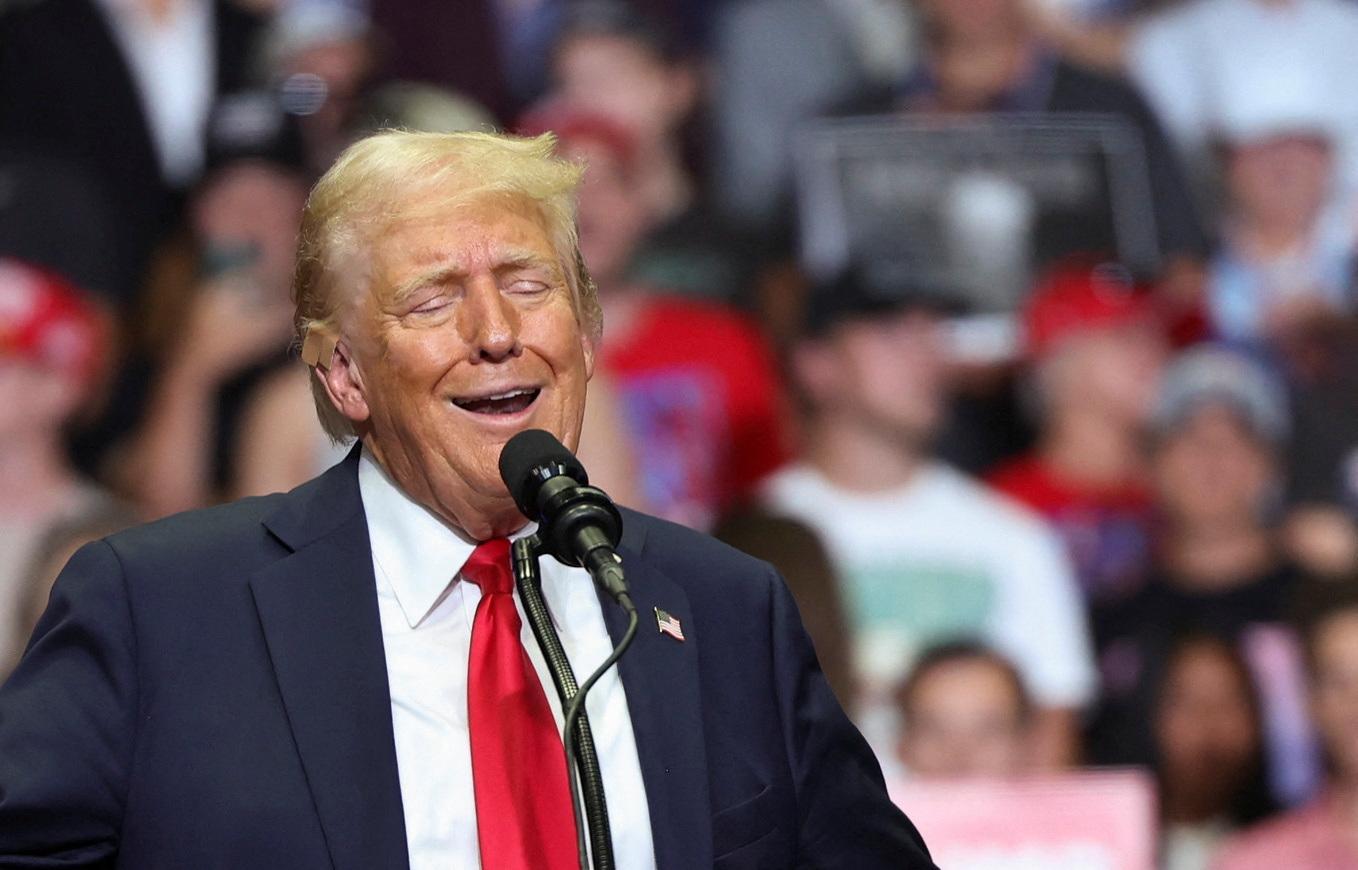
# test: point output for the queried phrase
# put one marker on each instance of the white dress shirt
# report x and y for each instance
(426, 614)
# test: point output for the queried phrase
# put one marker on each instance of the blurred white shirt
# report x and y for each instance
(173, 64)
(944, 558)
(427, 612)
(1206, 65)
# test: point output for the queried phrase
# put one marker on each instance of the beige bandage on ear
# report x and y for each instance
(318, 348)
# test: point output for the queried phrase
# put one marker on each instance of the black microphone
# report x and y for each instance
(578, 524)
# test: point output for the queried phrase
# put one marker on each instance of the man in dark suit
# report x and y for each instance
(337, 677)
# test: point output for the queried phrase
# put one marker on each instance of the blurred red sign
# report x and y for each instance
(1098, 820)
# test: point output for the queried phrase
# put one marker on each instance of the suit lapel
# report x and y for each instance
(318, 609)
(660, 677)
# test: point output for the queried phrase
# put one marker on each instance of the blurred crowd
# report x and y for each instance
(1130, 538)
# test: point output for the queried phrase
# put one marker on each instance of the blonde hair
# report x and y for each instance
(369, 188)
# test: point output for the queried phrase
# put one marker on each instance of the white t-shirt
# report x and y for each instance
(943, 558)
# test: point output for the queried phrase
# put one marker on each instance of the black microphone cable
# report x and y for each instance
(579, 525)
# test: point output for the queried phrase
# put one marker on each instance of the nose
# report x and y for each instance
(490, 322)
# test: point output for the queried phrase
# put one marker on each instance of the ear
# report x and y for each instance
(344, 384)
(587, 347)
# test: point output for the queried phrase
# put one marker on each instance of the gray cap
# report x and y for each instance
(1218, 375)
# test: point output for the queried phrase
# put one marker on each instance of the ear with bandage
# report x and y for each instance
(318, 348)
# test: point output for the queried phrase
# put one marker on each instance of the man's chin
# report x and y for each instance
(483, 523)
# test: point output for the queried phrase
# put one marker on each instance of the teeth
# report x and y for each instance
(509, 395)
(498, 397)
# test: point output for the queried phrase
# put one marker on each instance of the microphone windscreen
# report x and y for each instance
(529, 458)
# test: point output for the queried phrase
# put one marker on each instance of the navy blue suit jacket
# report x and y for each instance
(210, 691)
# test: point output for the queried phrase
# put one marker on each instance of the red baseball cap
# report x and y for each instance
(573, 124)
(47, 320)
(1080, 296)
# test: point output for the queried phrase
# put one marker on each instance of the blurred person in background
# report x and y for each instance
(1220, 431)
(778, 64)
(123, 88)
(964, 713)
(1321, 530)
(326, 59)
(322, 57)
(52, 216)
(53, 549)
(1096, 351)
(220, 320)
(503, 47)
(51, 353)
(800, 557)
(1204, 61)
(1288, 244)
(1323, 835)
(983, 56)
(696, 384)
(925, 553)
(1209, 751)
(612, 60)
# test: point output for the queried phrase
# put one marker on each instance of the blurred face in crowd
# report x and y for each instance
(35, 399)
(339, 69)
(613, 217)
(885, 373)
(249, 212)
(964, 718)
(972, 20)
(1281, 181)
(468, 336)
(1213, 470)
(624, 80)
(1206, 729)
(1113, 372)
(1334, 655)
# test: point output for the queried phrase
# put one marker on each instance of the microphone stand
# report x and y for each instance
(582, 759)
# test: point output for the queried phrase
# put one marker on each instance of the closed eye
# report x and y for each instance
(527, 287)
(434, 303)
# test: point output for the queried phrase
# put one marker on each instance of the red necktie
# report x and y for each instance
(523, 811)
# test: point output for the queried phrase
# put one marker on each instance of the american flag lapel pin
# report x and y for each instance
(668, 624)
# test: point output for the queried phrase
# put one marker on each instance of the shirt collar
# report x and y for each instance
(418, 553)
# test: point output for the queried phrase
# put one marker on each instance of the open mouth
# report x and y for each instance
(500, 404)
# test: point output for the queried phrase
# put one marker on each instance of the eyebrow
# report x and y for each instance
(513, 259)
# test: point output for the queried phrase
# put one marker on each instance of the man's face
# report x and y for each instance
(613, 217)
(255, 207)
(1114, 371)
(1205, 728)
(625, 81)
(886, 372)
(468, 336)
(1281, 179)
(964, 719)
(34, 399)
(1212, 470)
